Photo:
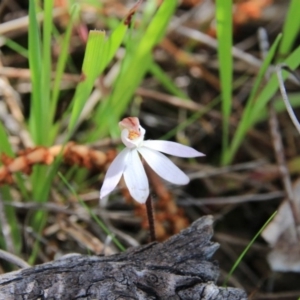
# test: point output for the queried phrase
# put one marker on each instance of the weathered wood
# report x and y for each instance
(179, 268)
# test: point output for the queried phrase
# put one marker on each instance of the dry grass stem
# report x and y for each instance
(72, 154)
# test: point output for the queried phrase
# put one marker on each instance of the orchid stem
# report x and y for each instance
(150, 216)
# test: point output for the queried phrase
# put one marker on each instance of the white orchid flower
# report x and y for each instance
(129, 164)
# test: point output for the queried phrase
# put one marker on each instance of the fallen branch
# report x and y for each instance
(179, 268)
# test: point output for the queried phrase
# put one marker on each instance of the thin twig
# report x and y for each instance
(175, 101)
(11, 97)
(285, 98)
(208, 171)
(211, 42)
(13, 259)
(231, 200)
(17, 25)
(22, 73)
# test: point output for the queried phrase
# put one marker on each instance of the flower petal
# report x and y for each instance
(163, 166)
(172, 148)
(114, 173)
(135, 177)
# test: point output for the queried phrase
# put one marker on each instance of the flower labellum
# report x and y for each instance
(129, 164)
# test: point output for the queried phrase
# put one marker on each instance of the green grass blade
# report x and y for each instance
(5, 144)
(16, 47)
(247, 248)
(46, 71)
(62, 61)
(90, 70)
(166, 81)
(36, 121)
(224, 34)
(244, 123)
(291, 28)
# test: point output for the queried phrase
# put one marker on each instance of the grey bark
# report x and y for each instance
(179, 268)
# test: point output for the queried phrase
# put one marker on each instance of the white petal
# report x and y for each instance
(114, 173)
(172, 148)
(163, 166)
(136, 178)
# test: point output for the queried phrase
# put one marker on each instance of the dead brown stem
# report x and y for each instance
(72, 154)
